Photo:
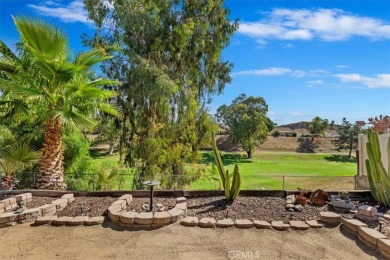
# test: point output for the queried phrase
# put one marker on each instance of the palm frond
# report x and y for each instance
(80, 87)
(19, 155)
(13, 108)
(7, 66)
(74, 120)
(103, 82)
(85, 60)
(18, 89)
(111, 109)
(7, 51)
(44, 41)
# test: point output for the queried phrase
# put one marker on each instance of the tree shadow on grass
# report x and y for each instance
(306, 145)
(227, 158)
(340, 158)
(97, 153)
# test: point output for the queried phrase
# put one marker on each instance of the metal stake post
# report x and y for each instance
(151, 198)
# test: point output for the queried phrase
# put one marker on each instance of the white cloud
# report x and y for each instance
(323, 24)
(342, 66)
(312, 83)
(279, 71)
(378, 81)
(71, 13)
(263, 72)
(288, 45)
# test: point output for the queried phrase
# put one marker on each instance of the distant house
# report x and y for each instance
(330, 133)
(302, 132)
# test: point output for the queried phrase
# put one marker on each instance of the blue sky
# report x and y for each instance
(306, 58)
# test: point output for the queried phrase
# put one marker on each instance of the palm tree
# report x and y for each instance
(15, 156)
(106, 177)
(45, 77)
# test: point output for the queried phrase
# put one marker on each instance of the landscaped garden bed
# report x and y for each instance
(87, 206)
(138, 203)
(261, 208)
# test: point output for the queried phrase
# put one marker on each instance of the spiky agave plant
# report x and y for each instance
(231, 182)
(378, 176)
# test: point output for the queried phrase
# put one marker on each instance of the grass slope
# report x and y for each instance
(265, 170)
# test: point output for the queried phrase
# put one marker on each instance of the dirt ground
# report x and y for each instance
(177, 242)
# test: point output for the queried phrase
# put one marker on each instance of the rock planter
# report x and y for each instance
(225, 223)
(330, 218)
(9, 217)
(279, 225)
(190, 221)
(314, 224)
(299, 225)
(243, 223)
(262, 224)
(118, 214)
(368, 236)
(207, 223)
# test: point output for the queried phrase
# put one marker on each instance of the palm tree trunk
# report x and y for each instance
(51, 167)
(7, 183)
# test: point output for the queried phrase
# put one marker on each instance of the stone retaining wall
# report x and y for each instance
(118, 214)
(43, 214)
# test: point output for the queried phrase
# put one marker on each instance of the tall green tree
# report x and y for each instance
(247, 120)
(348, 136)
(167, 53)
(317, 126)
(45, 78)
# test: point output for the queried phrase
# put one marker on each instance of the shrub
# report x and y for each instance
(276, 133)
(76, 151)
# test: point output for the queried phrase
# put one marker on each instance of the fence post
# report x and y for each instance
(283, 183)
(93, 182)
(355, 179)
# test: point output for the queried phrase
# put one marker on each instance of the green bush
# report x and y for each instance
(276, 133)
(76, 151)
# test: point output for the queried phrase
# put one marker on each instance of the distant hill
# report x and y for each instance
(302, 125)
(287, 144)
(293, 126)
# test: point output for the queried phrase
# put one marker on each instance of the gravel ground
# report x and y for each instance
(39, 201)
(137, 203)
(92, 207)
(261, 208)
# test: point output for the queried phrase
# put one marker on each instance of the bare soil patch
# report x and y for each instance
(176, 242)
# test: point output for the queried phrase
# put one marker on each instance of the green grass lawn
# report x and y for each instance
(265, 170)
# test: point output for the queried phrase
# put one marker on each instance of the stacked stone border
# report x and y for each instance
(190, 221)
(144, 220)
(368, 236)
(43, 214)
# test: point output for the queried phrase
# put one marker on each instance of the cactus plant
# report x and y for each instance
(378, 176)
(231, 184)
